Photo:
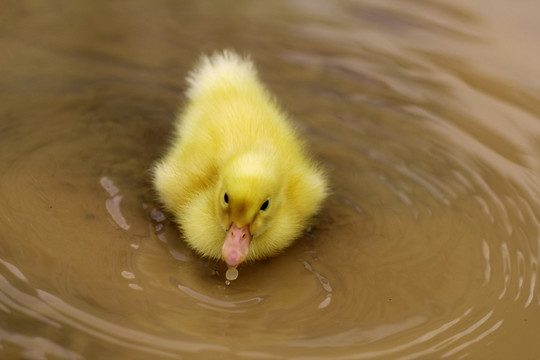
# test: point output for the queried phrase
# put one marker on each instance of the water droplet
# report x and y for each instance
(231, 274)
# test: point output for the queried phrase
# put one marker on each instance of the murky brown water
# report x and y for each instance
(426, 113)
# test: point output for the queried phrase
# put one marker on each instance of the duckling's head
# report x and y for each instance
(249, 196)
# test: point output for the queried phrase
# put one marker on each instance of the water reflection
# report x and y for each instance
(113, 204)
(324, 283)
(220, 305)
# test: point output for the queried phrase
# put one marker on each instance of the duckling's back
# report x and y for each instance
(230, 111)
(222, 72)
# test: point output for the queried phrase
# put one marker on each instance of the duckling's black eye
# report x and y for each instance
(226, 198)
(264, 205)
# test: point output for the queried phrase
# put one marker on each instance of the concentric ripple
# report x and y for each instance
(427, 248)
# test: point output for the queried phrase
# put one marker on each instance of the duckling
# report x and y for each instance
(236, 177)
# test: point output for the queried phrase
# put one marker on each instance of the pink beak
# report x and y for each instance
(236, 246)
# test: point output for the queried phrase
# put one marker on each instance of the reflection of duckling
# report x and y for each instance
(236, 177)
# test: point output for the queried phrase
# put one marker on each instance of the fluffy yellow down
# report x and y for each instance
(233, 139)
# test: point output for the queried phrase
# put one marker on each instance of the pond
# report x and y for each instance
(425, 113)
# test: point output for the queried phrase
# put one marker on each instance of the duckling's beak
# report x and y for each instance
(236, 246)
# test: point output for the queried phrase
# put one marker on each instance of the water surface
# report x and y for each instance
(425, 113)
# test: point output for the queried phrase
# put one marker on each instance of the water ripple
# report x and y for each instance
(427, 248)
(221, 305)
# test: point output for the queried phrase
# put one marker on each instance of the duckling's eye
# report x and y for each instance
(226, 198)
(264, 205)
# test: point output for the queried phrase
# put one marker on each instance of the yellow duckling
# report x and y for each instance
(236, 177)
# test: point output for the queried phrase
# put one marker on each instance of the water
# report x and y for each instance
(425, 113)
